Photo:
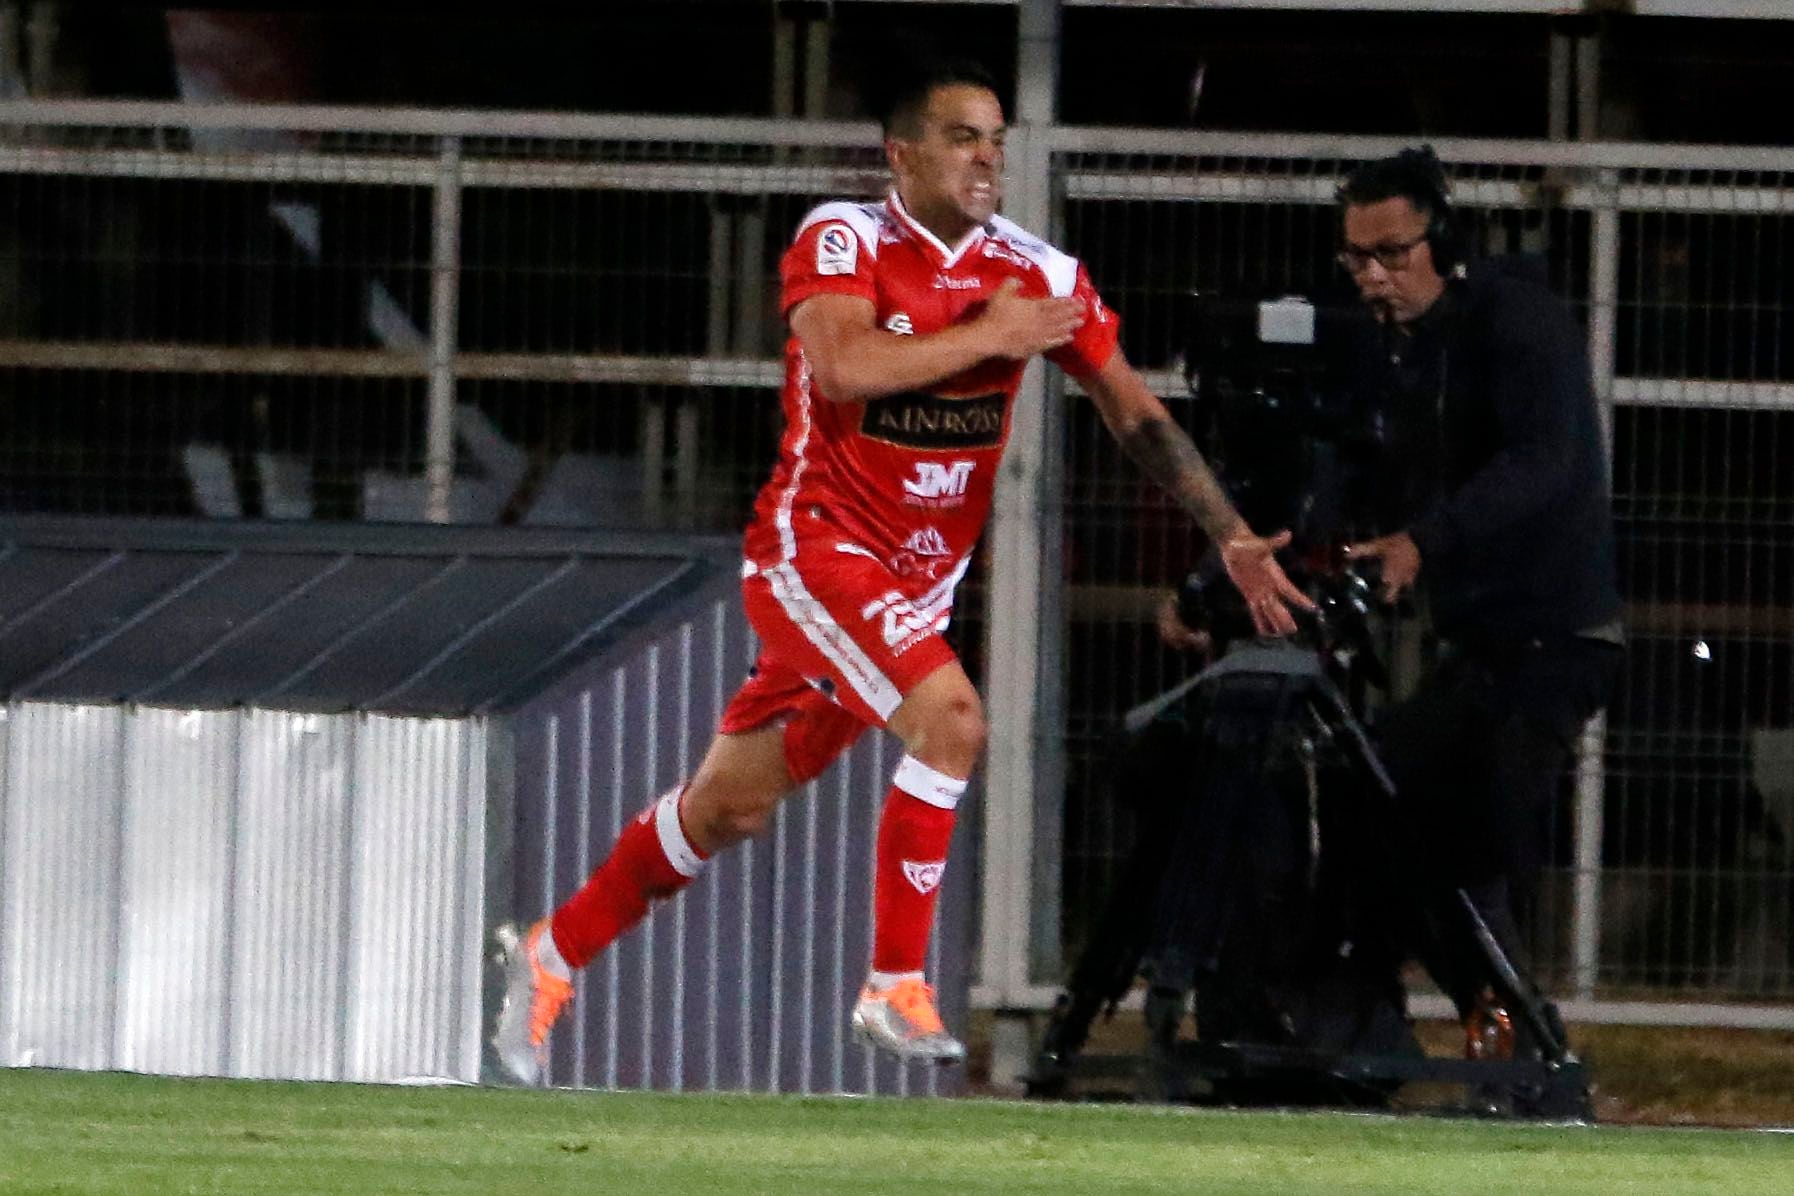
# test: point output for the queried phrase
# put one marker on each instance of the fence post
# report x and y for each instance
(1015, 679)
(1591, 772)
(1024, 788)
(445, 284)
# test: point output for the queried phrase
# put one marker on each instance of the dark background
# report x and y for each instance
(1663, 79)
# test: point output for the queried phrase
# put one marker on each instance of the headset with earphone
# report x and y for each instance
(1443, 236)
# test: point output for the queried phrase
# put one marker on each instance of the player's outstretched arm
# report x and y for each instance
(852, 360)
(1152, 438)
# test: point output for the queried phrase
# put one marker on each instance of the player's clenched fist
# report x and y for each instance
(1019, 328)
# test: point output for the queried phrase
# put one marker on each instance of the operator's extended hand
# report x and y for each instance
(1175, 633)
(1400, 557)
(1019, 328)
(1251, 563)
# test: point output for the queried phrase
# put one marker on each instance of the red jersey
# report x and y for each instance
(908, 478)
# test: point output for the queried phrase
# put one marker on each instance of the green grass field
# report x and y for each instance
(66, 1132)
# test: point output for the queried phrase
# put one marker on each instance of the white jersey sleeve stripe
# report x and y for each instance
(1060, 268)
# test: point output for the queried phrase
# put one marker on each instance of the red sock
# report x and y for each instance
(652, 859)
(913, 834)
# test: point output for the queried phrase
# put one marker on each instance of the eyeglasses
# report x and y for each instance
(1391, 255)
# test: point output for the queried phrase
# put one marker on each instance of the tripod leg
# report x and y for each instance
(1515, 989)
(1106, 967)
(1161, 1074)
(1330, 707)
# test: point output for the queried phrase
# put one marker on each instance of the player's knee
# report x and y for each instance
(720, 820)
(957, 733)
(737, 824)
(971, 731)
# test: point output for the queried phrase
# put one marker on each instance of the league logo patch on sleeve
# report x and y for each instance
(837, 250)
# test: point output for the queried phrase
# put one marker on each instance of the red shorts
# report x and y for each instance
(842, 642)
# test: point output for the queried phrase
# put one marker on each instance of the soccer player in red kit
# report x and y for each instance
(911, 321)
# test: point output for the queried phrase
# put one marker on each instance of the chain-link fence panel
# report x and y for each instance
(1669, 851)
(401, 316)
(1699, 885)
(572, 320)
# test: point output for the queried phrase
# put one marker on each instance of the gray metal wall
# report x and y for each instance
(246, 893)
(745, 980)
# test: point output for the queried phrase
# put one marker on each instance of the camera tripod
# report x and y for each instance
(1552, 1085)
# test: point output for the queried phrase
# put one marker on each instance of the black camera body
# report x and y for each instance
(1342, 628)
(1283, 411)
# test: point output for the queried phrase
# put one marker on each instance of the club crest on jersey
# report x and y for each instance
(926, 877)
(900, 324)
(924, 421)
(924, 555)
(837, 250)
(927, 541)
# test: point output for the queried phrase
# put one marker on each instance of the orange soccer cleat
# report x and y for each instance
(534, 999)
(902, 1019)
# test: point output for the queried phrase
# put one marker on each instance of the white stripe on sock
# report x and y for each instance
(927, 784)
(680, 853)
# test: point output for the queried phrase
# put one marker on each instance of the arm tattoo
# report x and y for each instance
(1165, 452)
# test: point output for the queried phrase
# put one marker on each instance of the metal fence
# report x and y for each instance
(242, 893)
(512, 318)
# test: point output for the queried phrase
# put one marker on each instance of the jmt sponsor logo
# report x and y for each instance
(913, 420)
(900, 623)
(935, 480)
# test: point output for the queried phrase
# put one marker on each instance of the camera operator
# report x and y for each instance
(1501, 496)
(1509, 536)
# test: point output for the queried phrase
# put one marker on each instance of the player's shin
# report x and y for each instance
(913, 833)
(652, 859)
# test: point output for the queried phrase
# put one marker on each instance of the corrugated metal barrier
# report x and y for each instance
(745, 980)
(244, 893)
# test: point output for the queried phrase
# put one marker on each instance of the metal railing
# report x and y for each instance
(502, 317)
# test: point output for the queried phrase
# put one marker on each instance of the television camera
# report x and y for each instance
(1262, 890)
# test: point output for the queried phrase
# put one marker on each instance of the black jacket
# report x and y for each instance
(1493, 419)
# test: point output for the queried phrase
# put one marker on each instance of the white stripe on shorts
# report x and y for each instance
(819, 627)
